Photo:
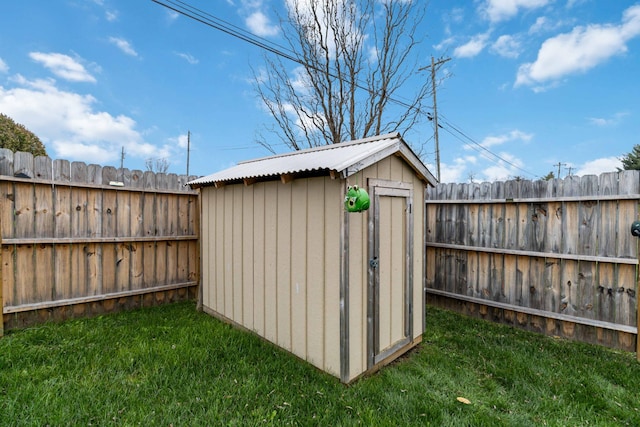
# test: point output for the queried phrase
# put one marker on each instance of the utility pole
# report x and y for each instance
(122, 165)
(435, 108)
(559, 164)
(188, 150)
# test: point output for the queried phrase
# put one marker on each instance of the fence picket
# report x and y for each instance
(570, 289)
(43, 266)
(9, 294)
(552, 285)
(6, 162)
(587, 279)
(109, 265)
(23, 165)
(629, 183)
(523, 283)
(94, 174)
(43, 167)
(61, 170)
(44, 212)
(24, 202)
(62, 285)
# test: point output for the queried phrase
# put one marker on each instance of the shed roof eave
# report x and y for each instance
(339, 161)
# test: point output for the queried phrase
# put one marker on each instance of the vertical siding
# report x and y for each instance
(206, 234)
(283, 265)
(333, 218)
(237, 262)
(247, 258)
(230, 241)
(259, 255)
(270, 269)
(300, 201)
(271, 253)
(316, 272)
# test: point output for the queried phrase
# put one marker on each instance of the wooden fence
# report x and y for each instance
(553, 256)
(82, 239)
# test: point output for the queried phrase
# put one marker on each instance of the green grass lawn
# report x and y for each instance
(172, 365)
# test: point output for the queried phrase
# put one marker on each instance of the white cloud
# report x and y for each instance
(500, 10)
(456, 172)
(572, 3)
(457, 15)
(300, 81)
(63, 66)
(68, 123)
(473, 47)
(181, 141)
(544, 25)
(580, 50)
(599, 166)
(494, 140)
(111, 15)
(171, 16)
(4, 68)
(598, 121)
(503, 165)
(507, 46)
(611, 121)
(123, 45)
(539, 26)
(444, 43)
(259, 24)
(188, 57)
(502, 171)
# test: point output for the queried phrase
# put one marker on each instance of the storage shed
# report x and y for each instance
(283, 258)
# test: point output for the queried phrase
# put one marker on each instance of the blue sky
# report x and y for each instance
(532, 86)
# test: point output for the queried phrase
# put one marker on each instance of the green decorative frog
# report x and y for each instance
(356, 200)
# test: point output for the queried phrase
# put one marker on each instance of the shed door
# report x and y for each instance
(390, 311)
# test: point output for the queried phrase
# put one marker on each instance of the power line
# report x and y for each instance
(210, 20)
(480, 147)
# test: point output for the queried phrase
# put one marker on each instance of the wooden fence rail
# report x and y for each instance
(80, 238)
(554, 256)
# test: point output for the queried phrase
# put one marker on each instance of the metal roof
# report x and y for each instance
(344, 159)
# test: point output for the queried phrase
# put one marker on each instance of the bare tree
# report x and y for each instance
(157, 165)
(354, 58)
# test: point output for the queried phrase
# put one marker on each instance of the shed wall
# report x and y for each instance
(272, 239)
(392, 168)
